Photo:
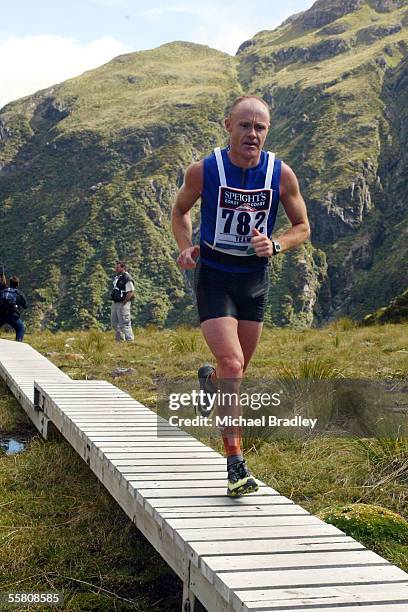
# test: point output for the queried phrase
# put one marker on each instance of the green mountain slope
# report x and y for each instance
(336, 77)
(89, 168)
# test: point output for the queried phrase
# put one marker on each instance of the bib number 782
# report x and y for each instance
(242, 220)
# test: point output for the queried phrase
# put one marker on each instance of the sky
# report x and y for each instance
(48, 41)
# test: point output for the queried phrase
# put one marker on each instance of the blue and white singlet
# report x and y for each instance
(235, 200)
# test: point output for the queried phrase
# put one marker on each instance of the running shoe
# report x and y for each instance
(240, 480)
(206, 384)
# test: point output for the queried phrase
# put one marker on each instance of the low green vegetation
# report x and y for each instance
(60, 529)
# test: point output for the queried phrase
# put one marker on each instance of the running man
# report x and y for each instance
(240, 189)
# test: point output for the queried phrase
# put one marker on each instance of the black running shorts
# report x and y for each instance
(242, 295)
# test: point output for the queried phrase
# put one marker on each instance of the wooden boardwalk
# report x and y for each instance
(255, 553)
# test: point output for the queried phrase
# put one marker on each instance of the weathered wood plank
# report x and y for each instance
(282, 562)
(270, 546)
(322, 598)
(227, 582)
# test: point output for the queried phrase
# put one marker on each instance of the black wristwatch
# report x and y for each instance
(276, 247)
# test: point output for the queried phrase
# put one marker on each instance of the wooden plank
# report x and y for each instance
(170, 454)
(287, 561)
(172, 465)
(120, 437)
(361, 608)
(173, 470)
(215, 490)
(175, 485)
(122, 430)
(262, 503)
(222, 500)
(196, 550)
(274, 532)
(227, 582)
(146, 443)
(220, 512)
(177, 478)
(388, 607)
(243, 522)
(149, 444)
(322, 598)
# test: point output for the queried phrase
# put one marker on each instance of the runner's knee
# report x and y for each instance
(230, 366)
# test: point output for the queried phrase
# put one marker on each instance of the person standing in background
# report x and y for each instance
(12, 300)
(122, 295)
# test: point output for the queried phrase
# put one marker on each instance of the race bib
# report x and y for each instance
(239, 211)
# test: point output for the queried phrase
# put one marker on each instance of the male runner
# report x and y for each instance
(240, 189)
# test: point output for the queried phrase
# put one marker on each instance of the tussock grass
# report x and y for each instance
(315, 369)
(342, 324)
(387, 459)
(94, 345)
(185, 341)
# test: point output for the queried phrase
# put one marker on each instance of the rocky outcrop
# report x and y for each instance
(341, 212)
(319, 52)
(245, 45)
(386, 6)
(373, 33)
(395, 312)
(333, 30)
(5, 132)
(326, 11)
(53, 110)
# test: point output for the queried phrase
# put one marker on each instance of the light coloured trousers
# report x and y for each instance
(121, 323)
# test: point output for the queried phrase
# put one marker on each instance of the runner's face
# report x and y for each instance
(248, 127)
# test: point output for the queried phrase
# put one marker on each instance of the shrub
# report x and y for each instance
(369, 524)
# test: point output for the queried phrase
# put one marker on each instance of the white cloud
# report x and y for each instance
(224, 26)
(225, 37)
(30, 63)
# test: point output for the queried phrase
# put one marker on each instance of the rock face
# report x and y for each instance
(386, 6)
(373, 33)
(321, 51)
(395, 312)
(326, 11)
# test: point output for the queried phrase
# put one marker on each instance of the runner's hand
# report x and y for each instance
(261, 244)
(186, 259)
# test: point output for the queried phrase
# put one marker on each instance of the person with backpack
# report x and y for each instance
(121, 296)
(12, 300)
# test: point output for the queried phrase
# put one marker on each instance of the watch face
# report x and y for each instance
(277, 247)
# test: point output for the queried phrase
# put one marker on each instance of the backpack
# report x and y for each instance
(119, 290)
(9, 301)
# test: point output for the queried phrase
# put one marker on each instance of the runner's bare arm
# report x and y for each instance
(181, 220)
(296, 212)
(295, 209)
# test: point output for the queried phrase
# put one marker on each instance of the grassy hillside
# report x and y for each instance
(89, 168)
